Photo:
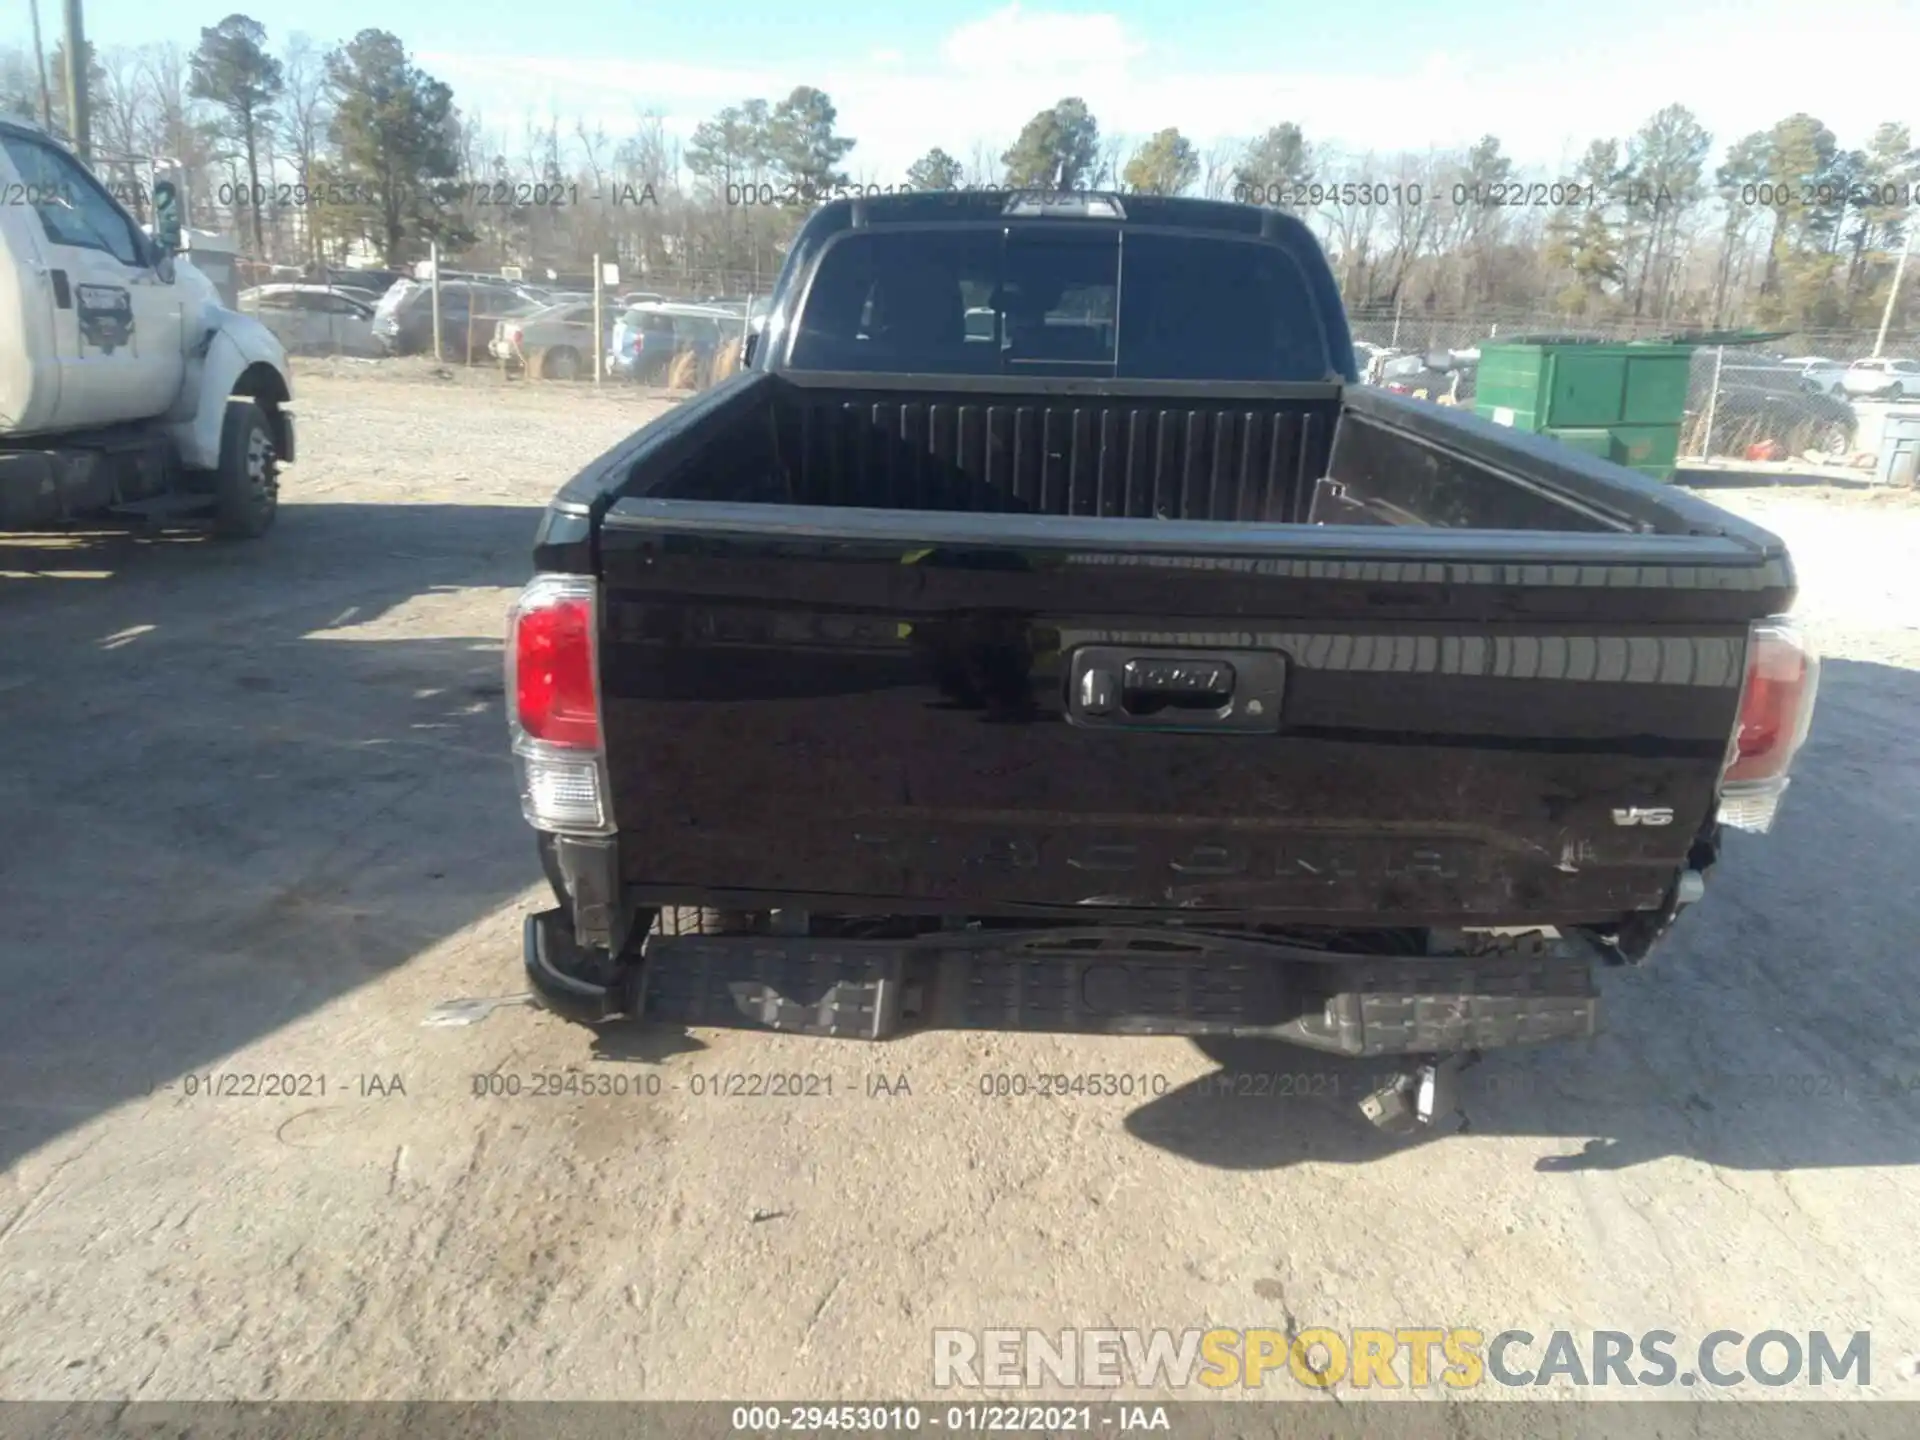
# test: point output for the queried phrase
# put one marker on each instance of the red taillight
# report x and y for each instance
(1400, 389)
(1776, 703)
(553, 669)
(1776, 707)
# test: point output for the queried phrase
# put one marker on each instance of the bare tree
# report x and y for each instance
(645, 157)
(118, 120)
(1217, 165)
(304, 107)
(300, 131)
(483, 162)
(174, 129)
(530, 226)
(534, 144)
(596, 146)
(117, 105)
(1350, 232)
(591, 219)
(552, 150)
(1410, 230)
(648, 161)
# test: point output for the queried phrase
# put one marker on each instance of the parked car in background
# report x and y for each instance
(646, 338)
(1758, 401)
(313, 319)
(1826, 376)
(553, 281)
(403, 320)
(1447, 377)
(365, 295)
(556, 343)
(1382, 357)
(378, 281)
(533, 293)
(253, 273)
(558, 294)
(1882, 379)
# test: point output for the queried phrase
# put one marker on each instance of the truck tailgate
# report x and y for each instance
(1031, 714)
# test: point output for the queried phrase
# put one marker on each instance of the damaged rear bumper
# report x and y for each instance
(1094, 980)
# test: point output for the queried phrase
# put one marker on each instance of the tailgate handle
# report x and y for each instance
(1152, 685)
(1198, 690)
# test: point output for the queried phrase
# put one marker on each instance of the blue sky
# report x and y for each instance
(907, 74)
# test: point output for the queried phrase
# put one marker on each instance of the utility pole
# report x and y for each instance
(1893, 292)
(78, 116)
(599, 340)
(40, 64)
(433, 259)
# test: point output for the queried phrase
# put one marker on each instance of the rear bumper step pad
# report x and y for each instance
(1105, 981)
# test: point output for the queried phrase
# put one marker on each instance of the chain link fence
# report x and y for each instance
(526, 328)
(1741, 407)
(1416, 331)
(1742, 403)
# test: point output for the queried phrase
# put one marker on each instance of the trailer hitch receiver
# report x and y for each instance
(1425, 1095)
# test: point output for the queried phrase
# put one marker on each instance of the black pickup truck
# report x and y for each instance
(1123, 666)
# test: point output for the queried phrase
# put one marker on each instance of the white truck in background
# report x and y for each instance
(128, 388)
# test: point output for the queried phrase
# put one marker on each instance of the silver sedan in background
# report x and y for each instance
(313, 319)
(1882, 379)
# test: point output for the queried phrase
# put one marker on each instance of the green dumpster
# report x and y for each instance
(1622, 402)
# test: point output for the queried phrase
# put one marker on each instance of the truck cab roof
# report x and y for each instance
(1100, 206)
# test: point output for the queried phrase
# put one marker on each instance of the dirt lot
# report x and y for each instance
(261, 821)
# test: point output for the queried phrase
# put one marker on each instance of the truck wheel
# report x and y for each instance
(562, 362)
(246, 491)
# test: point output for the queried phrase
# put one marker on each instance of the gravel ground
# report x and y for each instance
(263, 822)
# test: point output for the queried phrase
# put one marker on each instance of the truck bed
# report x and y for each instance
(844, 619)
(1125, 450)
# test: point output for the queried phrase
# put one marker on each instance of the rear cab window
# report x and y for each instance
(1061, 300)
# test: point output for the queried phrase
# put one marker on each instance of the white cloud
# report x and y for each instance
(1042, 45)
(991, 74)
